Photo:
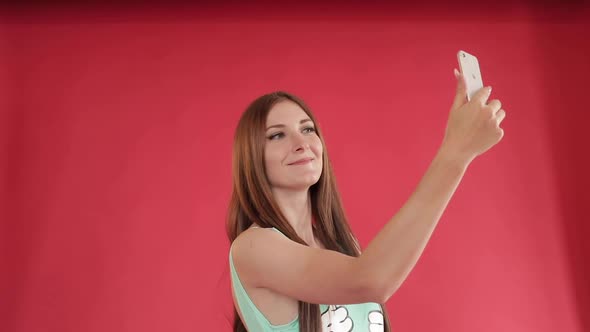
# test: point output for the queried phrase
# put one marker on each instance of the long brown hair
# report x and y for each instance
(252, 199)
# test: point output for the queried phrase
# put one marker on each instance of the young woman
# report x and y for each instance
(295, 264)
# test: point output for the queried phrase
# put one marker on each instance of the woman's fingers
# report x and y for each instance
(482, 95)
(461, 92)
(495, 105)
(500, 115)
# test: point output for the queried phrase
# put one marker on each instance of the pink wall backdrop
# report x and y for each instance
(116, 125)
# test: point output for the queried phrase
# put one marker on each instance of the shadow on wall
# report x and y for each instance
(563, 42)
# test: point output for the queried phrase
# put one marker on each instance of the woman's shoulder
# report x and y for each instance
(253, 250)
(254, 229)
(254, 238)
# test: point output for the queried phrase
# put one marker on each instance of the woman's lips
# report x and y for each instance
(303, 162)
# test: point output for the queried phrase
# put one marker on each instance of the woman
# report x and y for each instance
(295, 264)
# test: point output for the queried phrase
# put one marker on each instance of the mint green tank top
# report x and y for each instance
(363, 317)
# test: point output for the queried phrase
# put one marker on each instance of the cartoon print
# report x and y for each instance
(376, 323)
(336, 319)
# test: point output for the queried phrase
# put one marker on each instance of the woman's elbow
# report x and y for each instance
(373, 288)
(377, 291)
(382, 291)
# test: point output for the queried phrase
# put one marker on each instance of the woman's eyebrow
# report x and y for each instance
(282, 125)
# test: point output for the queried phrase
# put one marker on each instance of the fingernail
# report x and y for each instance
(456, 72)
(489, 89)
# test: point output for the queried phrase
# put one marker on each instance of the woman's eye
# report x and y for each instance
(275, 135)
(280, 134)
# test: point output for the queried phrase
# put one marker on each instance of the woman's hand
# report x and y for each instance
(473, 126)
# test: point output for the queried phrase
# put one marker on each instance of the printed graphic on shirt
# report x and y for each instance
(336, 319)
(376, 323)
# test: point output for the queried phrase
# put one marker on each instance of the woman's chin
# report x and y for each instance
(308, 182)
(301, 184)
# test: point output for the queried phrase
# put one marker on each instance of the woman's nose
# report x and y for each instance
(300, 142)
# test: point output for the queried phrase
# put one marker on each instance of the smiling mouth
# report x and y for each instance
(303, 162)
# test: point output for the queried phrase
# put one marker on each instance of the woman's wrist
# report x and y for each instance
(454, 157)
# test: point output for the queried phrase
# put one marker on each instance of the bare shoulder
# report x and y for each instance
(253, 239)
(256, 249)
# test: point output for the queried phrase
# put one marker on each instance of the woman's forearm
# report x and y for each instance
(391, 255)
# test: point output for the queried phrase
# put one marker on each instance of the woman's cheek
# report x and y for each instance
(318, 146)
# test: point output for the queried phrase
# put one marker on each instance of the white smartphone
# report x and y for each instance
(470, 70)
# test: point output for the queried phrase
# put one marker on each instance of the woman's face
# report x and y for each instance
(291, 137)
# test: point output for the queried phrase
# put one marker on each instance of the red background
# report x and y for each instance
(116, 128)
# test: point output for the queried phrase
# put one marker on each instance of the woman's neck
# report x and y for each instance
(296, 207)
